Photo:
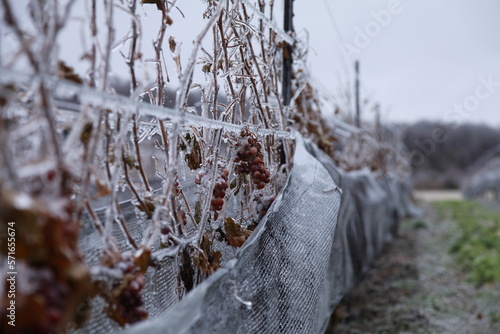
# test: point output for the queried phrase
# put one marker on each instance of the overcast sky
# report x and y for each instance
(425, 59)
(419, 62)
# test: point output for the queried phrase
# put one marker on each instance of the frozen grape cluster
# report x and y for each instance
(263, 202)
(51, 294)
(130, 305)
(130, 300)
(204, 178)
(250, 160)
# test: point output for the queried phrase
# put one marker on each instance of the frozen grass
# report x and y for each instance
(477, 248)
(416, 286)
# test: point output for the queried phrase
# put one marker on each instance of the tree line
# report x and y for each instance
(441, 154)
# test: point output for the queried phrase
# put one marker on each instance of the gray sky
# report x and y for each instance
(419, 59)
(423, 60)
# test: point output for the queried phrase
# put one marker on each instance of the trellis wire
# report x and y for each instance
(271, 24)
(93, 97)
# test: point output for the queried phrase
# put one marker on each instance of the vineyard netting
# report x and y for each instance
(484, 180)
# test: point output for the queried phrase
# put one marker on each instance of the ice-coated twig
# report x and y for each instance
(109, 242)
(158, 45)
(123, 225)
(272, 24)
(4, 156)
(63, 20)
(11, 21)
(187, 78)
(133, 46)
(138, 154)
(93, 51)
(206, 208)
(108, 5)
(132, 187)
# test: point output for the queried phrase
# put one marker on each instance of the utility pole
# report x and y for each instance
(358, 111)
(287, 55)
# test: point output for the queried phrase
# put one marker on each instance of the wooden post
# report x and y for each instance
(358, 111)
(378, 124)
(287, 55)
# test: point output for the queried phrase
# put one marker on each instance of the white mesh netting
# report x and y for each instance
(320, 235)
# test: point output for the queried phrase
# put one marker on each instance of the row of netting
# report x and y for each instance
(319, 237)
(483, 179)
(121, 205)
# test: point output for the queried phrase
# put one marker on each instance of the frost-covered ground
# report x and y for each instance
(416, 287)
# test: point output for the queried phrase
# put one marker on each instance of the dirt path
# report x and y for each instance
(415, 287)
(437, 195)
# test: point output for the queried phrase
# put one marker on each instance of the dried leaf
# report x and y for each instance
(86, 133)
(102, 189)
(130, 161)
(150, 205)
(192, 158)
(187, 271)
(142, 258)
(236, 235)
(5, 91)
(234, 183)
(206, 68)
(172, 44)
(67, 72)
(209, 260)
(197, 212)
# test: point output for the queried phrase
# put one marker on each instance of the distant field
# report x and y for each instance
(477, 248)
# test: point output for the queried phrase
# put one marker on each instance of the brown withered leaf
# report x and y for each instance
(186, 271)
(192, 158)
(201, 261)
(197, 212)
(206, 68)
(209, 260)
(156, 2)
(67, 72)
(149, 205)
(86, 133)
(142, 258)
(172, 44)
(208, 264)
(130, 161)
(233, 183)
(5, 92)
(236, 235)
(102, 189)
